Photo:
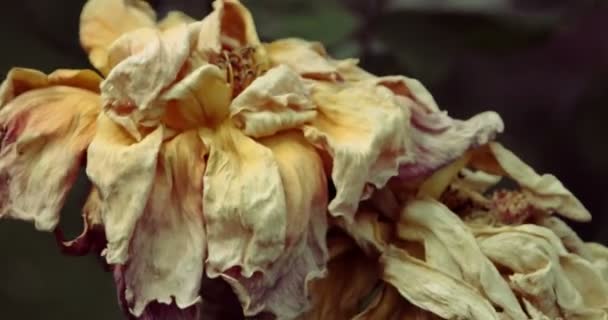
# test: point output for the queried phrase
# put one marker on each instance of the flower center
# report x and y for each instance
(240, 66)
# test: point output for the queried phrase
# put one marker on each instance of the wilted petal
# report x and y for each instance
(103, 21)
(46, 126)
(307, 58)
(123, 171)
(543, 191)
(432, 290)
(167, 251)
(599, 257)
(276, 101)
(461, 245)
(410, 88)
(132, 89)
(569, 238)
(229, 26)
(268, 241)
(201, 99)
(439, 139)
(173, 19)
(92, 238)
(364, 131)
(554, 281)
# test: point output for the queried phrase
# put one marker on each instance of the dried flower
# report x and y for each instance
(212, 155)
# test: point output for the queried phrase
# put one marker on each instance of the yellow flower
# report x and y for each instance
(212, 154)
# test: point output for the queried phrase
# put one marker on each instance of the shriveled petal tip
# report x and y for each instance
(418, 283)
(307, 58)
(544, 191)
(103, 21)
(46, 126)
(123, 171)
(131, 92)
(92, 238)
(276, 101)
(20, 80)
(439, 139)
(457, 246)
(365, 131)
(229, 26)
(167, 249)
(408, 87)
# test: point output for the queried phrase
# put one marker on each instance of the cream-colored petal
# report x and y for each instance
(167, 250)
(598, 255)
(46, 126)
(276, 101)
(439, 139)
(268, 243)
(365, 132)
(201, 99)
(132, 89)
(408, 87)
(173, 19)
(433, 290)
(20, 80)
(555, 281)
(103, 21)
(476, 269)
(282, 288)
(544, 191)
(569, 238)
(123, 171)
(229, 26)
(307, 58)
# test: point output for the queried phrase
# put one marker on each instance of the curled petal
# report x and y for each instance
(410, 88)
(276, 101)
(167, 250)
(307, 58)
(418, 283)
(103, 21)
(201, 99)
(555, 281)
(46, 126)
(543, 191)
(460, 244)
(123, 171)
(275, 235)
(439, 139)
(229, 26)
(92, 238)
(131, 95)
(363, 130)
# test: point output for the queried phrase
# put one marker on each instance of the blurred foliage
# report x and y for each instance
(543, 65)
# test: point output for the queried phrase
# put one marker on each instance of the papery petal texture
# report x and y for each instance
(167, 251)
(47, 122)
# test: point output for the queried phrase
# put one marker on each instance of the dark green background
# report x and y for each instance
(543, 65)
